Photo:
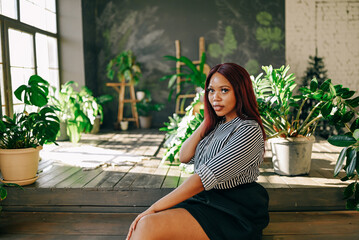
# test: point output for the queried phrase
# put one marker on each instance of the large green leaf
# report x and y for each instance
(341, 140)
(349, 190)
(313, 84)
(340, 161)
(348, 116)
(351, 161)
(34, 93)
(326, 109)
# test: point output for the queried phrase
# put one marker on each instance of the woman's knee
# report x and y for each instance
(146, 228)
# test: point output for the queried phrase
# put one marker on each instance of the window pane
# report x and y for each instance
(47, 59)
(39, 13)
(2, 90)
(51, 5)
(8, 8)
(21, 49)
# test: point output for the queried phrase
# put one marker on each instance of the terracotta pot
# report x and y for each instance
(19, 165)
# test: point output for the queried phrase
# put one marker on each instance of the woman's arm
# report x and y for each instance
(188, 148)
(187, 189)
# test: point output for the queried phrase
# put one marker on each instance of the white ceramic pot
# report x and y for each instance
(124, 125)
(19, 165)
(63, 132)
(292, 156)
(140, 95)
(145, 121)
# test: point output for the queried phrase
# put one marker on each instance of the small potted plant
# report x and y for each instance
(92, 107)
(71, 115)
(144, 109)
(23, 134)
(289, 130)
(124, 66)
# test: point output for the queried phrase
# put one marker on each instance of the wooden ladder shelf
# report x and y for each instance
(120, 88)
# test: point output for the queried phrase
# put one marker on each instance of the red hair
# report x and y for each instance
(246, 106)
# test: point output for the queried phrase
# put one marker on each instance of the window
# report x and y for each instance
(30, 46)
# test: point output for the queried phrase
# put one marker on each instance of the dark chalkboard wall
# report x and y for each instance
(248, 32)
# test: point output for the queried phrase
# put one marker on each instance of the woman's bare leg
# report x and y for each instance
(171, 224)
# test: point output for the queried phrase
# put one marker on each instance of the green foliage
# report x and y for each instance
(227, 48)
(268, 36)
(77, 109)
(190, 73)
(124, 66)
(145, 106)
(3, 191)
(316, 69)
(30, 129)
(282, 113)
(179, 129)
(349, 160)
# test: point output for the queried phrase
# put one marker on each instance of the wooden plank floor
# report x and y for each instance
(131, 186)
(283, 225)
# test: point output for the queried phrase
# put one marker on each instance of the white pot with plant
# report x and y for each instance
(289, 129)
(23, 135)
(144, 108)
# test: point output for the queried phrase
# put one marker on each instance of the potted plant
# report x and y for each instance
(71, 115)
(144, 109)
(191, 73)
(23, 134)
(290, 132)
(124, 66)
(92, 107)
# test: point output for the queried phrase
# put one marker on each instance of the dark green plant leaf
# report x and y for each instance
(326, 109)
(351, 161)
(344, 179)
(340, 161)
(351, 204)
(341, 140)
(325, 85)
(348, 116)
(3, 193)
(349, 190)
(353, 102)
(313, 85)
(348, 94)
(355, 125)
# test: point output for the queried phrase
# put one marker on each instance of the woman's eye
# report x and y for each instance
(210, 90)
(224, 90)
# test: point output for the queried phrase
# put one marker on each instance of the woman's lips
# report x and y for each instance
(218, 108)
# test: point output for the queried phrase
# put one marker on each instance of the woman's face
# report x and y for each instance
(222, 97)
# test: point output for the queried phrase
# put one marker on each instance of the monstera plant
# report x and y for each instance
(23, 134)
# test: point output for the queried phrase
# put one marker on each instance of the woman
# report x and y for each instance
(221, 200)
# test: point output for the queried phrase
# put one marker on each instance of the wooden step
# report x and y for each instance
(67, 225)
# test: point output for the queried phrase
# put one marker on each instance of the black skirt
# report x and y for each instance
(237, 213)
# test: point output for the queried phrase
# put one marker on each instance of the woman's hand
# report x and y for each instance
(134, 223)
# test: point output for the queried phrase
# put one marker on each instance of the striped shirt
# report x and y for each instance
(230, 154)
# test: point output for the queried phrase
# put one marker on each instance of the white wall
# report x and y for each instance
(331, 26)
(71, 42)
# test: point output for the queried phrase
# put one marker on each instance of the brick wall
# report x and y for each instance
(331, 26)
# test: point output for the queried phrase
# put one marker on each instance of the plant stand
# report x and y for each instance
(120, 88)
(179, 109)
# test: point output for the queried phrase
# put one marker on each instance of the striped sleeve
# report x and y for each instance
(239, 153)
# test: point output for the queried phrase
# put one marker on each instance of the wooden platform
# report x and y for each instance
(69, 202)
(133, 186)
